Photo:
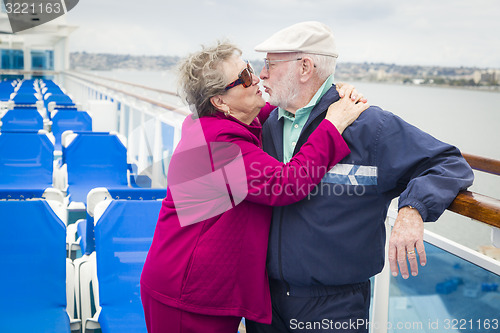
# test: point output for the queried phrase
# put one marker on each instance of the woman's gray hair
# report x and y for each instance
(201, 76)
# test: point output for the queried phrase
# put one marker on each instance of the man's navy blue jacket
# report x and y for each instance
(336, 235)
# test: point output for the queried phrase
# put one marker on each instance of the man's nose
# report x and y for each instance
(264, 73)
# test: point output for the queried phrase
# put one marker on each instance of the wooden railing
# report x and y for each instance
(484, 164)
(38, 72)
(474, 205)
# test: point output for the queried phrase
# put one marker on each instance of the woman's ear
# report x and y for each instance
(218, 102)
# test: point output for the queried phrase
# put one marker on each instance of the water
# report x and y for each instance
(162, 79)
(468, 119)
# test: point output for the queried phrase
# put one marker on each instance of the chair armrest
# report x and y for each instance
(60, 177)
(78, 262)
(91, 324)
(88, 277)
(72, 239)
(75, 325)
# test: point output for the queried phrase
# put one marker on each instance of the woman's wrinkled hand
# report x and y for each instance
(350, 90)
(346, 110)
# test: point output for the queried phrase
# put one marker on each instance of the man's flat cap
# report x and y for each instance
(308, 37)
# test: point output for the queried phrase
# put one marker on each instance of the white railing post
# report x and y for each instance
(380, 304)
(156, 172)
(495, 237)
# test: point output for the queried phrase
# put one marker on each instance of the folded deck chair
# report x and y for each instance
(85, 227)
(93, 160)
(69, 120)
(34, 268)
(22, 120)
(26, 160)
(123, 232)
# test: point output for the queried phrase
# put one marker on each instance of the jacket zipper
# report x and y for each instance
(297, 148)
(279, 255)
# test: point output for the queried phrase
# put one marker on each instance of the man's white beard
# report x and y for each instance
(285, 92)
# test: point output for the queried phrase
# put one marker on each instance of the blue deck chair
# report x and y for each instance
(26, 160)
(33, 282)
(58, 101)
(85, 227)
(25, 98)
(26, 85)
(52, 89)
(49, 84)
(94, 160)
(22, 120)
(6, 89)
(123, 233)
(69, 120)
(60, 98)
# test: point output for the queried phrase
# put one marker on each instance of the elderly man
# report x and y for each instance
(323, 250)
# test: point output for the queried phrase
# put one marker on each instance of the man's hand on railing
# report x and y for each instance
(407, 240)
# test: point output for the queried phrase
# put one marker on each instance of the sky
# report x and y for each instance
(448, 33)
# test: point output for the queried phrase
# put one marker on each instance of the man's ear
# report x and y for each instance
(306, 69)
(218, 102)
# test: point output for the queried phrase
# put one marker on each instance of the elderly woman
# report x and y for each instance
(206, 267)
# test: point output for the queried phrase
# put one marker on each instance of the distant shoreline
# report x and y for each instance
(493, 89)
(469, 78)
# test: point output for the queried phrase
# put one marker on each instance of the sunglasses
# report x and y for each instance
(245, 78)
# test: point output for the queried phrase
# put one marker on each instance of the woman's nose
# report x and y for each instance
(255, 79)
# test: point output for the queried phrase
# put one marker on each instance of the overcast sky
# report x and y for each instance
(408, 32)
